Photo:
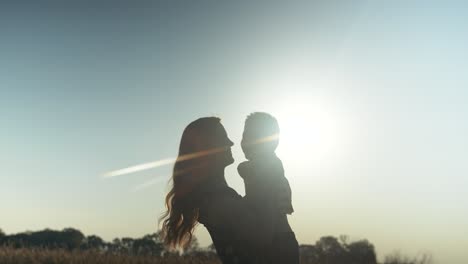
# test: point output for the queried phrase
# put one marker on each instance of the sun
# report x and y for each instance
(307, 133)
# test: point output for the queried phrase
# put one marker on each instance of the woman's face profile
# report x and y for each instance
(222, 141)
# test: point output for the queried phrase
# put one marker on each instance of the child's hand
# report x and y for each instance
(283, 196)
(243, 169)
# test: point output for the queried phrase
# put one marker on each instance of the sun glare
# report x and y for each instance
(307, 132)
(309, 125)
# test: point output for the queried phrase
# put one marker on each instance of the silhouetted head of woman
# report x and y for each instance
(204, 152)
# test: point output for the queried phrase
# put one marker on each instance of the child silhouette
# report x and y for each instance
(266, 187)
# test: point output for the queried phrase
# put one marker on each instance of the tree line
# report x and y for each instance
(327, 249)
(74, 239)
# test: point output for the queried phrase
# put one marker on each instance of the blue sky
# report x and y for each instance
(90, 87)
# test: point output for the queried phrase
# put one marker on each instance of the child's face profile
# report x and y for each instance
(247, 143)
(253, 145)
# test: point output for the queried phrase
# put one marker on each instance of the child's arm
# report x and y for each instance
(284, 197)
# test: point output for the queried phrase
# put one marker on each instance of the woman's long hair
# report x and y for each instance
(181, 217)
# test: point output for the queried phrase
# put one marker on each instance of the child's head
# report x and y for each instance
(261, 134)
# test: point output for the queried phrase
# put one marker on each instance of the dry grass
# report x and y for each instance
(44, 256)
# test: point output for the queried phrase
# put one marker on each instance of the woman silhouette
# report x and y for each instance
(200, 194)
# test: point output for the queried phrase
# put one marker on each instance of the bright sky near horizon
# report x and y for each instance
(371, 97)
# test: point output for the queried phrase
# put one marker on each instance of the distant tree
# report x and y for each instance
(93, 242)
(68, 238)
(71, 238)
(2, 237)
(344, 240)
(148, 245)
(212, 248)
(127, 245)
(397, 258)
(44, 238)
(362, 252)
(331, 251)
(192, 247)
(211, 251)
(115, 246)
(309, 254)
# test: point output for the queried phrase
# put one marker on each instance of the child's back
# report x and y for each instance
(266, 185)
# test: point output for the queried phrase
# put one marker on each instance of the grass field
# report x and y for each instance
(58, 256)
(44, 256)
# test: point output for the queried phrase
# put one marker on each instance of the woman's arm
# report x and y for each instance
(228, 210)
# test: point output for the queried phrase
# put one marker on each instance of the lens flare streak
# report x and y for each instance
(147, 184)
(162, 162)
(140, 167)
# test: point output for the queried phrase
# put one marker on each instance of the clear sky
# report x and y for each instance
(371, 97)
